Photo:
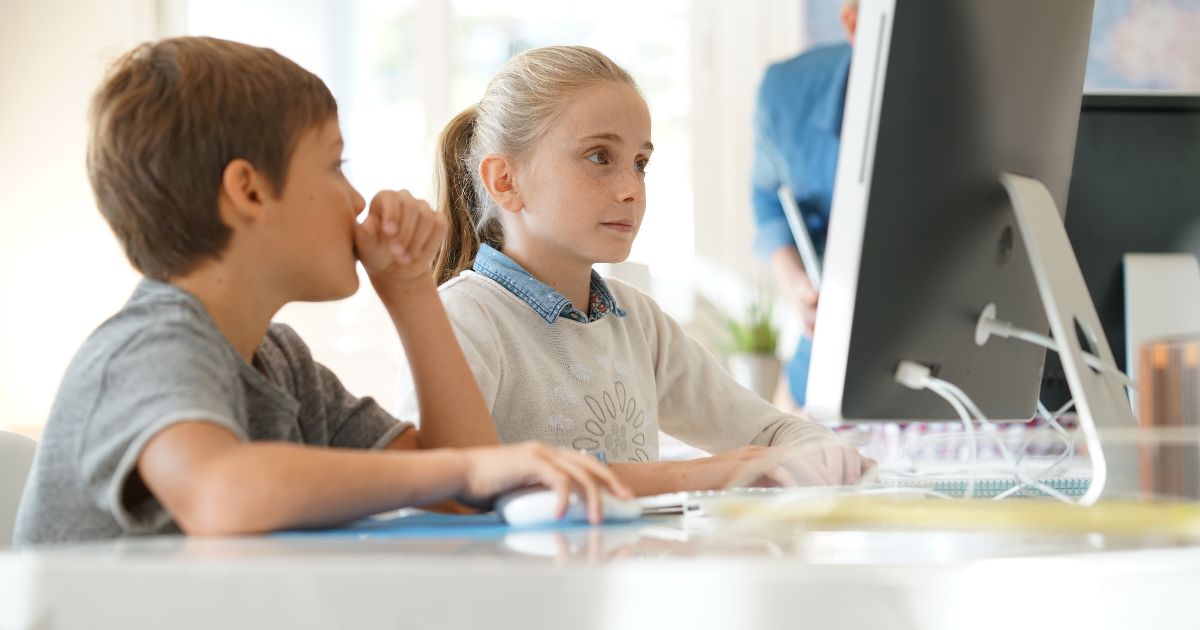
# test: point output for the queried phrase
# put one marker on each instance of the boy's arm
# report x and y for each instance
(397, 244)
(212, 483)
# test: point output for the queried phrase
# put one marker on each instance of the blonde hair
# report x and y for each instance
(517, 107)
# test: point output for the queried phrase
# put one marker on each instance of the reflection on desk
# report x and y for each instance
(661, 572)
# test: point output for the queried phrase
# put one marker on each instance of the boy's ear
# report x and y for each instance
(245, 192)
(499, 178)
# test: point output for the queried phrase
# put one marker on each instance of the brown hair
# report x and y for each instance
(516, 109)
(167, 120)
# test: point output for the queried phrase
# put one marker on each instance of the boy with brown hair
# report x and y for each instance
(218, 167)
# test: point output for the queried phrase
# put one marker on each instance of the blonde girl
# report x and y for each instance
(541, 180)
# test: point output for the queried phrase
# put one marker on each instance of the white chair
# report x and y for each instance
(16, 458)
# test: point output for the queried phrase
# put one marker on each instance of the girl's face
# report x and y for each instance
(583, 185)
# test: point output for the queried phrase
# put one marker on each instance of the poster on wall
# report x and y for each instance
(1145, 45)
(1137, 45)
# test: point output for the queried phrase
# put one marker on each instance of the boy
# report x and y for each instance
(217, 165)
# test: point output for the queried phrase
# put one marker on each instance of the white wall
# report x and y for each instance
(60, 270)
(734, 42)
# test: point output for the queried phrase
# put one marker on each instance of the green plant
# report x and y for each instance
(755, 334)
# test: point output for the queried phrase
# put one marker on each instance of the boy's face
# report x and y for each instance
(311, 224)
(584, 183)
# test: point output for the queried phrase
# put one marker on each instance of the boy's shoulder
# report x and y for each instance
(156, 310)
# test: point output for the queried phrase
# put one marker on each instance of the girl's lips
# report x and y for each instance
(619, 226)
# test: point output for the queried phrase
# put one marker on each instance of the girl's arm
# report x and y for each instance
(702, 405)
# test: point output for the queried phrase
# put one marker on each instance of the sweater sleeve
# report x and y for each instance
(700, 404)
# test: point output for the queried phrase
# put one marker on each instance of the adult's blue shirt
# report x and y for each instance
(797, 132)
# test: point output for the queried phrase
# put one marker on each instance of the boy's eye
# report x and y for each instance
(339, 164)
(598, 157)
(641, 165)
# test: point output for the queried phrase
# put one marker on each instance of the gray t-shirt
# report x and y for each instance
(159, 361)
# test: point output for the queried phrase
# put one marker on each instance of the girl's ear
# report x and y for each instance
(499, 178)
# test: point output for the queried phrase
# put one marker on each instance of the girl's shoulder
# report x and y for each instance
(471, 289)
(633, 300)
(472, 297)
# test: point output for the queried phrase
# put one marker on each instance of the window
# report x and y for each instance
(401, 69)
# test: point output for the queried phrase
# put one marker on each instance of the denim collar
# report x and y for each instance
(543, 299)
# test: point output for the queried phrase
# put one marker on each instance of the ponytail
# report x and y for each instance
(458, 199)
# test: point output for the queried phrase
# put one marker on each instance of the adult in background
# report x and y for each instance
(797, 132)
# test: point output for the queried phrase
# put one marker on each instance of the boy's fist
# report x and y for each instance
(399, 238)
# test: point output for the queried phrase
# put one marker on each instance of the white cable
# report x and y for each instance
(988, 326)
(1021, 477)
(1052, 422)
(918, 443)
(1067, 455)
(969, 427)
(917, 376)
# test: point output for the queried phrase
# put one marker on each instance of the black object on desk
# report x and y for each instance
(1135, 188)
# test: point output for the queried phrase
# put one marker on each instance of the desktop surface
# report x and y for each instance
(662, 572)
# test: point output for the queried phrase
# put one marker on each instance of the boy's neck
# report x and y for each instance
(237, 302)
(570, 277)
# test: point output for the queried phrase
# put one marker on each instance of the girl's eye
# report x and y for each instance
(339, 164)
(598, 157)
(641, 165)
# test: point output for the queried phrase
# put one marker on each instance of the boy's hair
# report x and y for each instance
(167, 120)
(516, 109)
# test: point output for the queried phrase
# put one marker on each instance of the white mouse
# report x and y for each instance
(538, 506)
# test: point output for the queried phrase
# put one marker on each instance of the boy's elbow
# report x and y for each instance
(218, 508)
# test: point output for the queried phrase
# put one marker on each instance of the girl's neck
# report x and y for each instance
(566, 274)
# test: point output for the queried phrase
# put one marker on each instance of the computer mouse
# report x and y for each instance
(538, 506)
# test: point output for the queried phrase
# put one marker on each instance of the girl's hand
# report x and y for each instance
(399, 238)
(824, 462)
(491, 471)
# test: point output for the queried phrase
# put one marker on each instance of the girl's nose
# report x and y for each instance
(631, 186)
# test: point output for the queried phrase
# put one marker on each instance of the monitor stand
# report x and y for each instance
(1100, 401)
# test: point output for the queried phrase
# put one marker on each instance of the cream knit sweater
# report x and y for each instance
(606, 386)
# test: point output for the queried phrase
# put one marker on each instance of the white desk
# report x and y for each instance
(662, 573)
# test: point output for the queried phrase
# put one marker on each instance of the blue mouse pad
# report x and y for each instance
(433, 525)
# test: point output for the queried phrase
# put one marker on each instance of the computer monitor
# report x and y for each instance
(944, 96)
(1135, 188)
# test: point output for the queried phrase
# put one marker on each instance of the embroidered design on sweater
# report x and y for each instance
(615, 426)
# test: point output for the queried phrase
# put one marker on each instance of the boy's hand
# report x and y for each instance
(491, 471)
(399, 238)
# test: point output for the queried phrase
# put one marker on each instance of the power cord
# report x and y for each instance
(988, 326)
(919, 377)
(1067, 455)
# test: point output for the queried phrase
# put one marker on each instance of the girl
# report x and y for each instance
(542, 179)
